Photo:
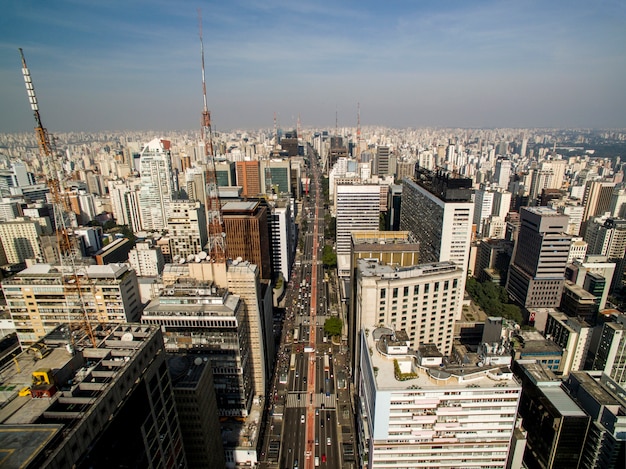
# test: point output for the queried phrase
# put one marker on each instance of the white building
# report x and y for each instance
(157, 185)
(20, 239)
(146, 259)
(417, 413)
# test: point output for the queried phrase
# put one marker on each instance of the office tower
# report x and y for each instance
(537, 271)
(395, 248)
(110, 294)
(578, 302)
(275, 176)
(493, 257)
(90, 239)
(124, 196)
(256, 297)
(283, 236)
(146, 259)
(556, 426)
(383, 157)
(416, 411)
(422, 300)
(610, 356)
(197, 317)
(157, 184)
(502, 175)
(104, 405)
(573, 336)
(605, 446)
(541, 179)
(9, 210)
(607, 237)
(20, 175)
(394, 201)
(483, 206)
(20, 239)
(196, 404)
(437, 208)
(617, 208)
(596, 200)
(577, 250)
(247, 234)
(249, 178)
(186, 228)
(357, 209)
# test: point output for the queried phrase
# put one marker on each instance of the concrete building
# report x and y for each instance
(186, 226)
(597, 267)
(537, 270)
(610, 356)
(105, 405)
(249, 177)
(573, 336)
(556, 426)
(200, 318)
(157, 184)
(422, 300)
(146, 259)
(437, 208)
(20, 239)
(247, 234)
(282, 236)
(357, 209)
(43, 296)
(416, 412)
(196, 404)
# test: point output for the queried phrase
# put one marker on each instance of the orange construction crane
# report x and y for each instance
(217, 241)
(50, 160)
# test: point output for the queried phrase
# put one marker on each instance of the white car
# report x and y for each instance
(328, 441)
(302, 421)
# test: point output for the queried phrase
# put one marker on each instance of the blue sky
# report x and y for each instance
(135, 64)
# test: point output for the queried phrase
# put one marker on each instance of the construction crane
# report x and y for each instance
(215, 224)
(52, 172)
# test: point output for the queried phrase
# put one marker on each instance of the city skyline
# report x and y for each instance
(136, 65)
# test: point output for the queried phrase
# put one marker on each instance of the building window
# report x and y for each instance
(383, 293)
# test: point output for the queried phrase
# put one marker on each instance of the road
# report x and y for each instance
(304, 428)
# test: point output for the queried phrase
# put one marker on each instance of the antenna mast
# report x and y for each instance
(358, 132)
(216, 245)
(49, 156)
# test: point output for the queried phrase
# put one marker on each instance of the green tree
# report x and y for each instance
(329, 257)
(333, 326)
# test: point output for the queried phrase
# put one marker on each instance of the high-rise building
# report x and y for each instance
(573, 336)
(275, 176)
(194, 393)
(422, 300)
(596, 200)
(438, 210)
(249, 178)
(157, 184)
(610, 356)
(283, 236)
(20, 239)
(247, 234)
(105, 405)
(415, 411)
(124, 196)
(556, 426)
(607, 237)
(186, 228)
(199, 318)
(146, 259)
(502, 175)
(357, 209)
(537, 271)
(383, 161)
(42, 297)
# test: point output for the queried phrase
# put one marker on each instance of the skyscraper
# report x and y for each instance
(157, 185)
(249, 177)
(537, 271)
(437, 208)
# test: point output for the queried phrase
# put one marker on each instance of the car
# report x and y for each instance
(302, 419)
(322, 423)
(317, 411)
(328, 416)
(328, 441)
(295, 464)
(324, 457)
(304, 379)
(317, 441)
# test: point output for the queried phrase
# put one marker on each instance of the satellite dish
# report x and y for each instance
(191, 257)
(239, 259)
(197, 259)
(197, 361)
(176, 258)
(128, 337)
(202, 255)
(181, 261)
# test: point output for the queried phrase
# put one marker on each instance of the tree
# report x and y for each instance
(329, 257)
(333, 326)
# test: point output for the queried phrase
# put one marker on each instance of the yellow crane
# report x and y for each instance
(52, 171)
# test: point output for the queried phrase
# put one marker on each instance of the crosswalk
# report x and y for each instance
(330, 402)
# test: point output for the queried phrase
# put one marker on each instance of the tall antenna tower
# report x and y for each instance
(215, 224)
(358, 132)
(53, 173)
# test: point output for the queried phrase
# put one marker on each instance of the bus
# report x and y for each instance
(296, 333)
(326, 363)
(292, 363)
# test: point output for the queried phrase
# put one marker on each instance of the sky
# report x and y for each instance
(110, 65)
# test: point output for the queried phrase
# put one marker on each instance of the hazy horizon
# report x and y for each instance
(107, 66)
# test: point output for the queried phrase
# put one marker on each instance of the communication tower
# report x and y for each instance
(217, 242)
